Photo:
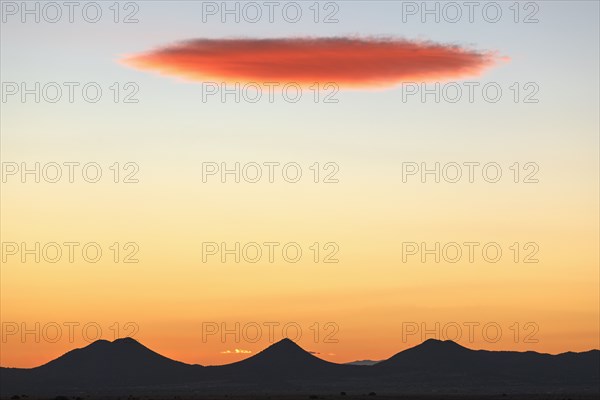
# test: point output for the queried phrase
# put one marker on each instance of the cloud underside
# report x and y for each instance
(347, 62)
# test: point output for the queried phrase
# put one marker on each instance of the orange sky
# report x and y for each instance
(361, 219)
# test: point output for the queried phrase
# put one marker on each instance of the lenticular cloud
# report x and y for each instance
(347, 62)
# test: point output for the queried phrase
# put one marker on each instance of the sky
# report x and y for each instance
(369, 287)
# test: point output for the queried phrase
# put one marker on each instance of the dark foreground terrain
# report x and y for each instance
(125, 369)
(339, 396)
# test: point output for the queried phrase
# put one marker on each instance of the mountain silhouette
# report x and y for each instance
(445, 363)
(120, 363)
(283, 359)
(283, 354)
(121, 356)
(125, 366)
(432, 353)
(362, 362)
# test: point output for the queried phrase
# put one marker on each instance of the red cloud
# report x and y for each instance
(348, 62)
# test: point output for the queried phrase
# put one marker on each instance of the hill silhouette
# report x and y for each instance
(121, 363)
(284, 354)
(125, 366)
(448, 364)
(284, 359)
(363, 362)
(122, 356)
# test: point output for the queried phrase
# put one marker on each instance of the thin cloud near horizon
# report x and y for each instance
(237, 351)
(348, 62)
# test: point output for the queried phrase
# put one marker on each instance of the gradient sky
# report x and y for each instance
(369, 213)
